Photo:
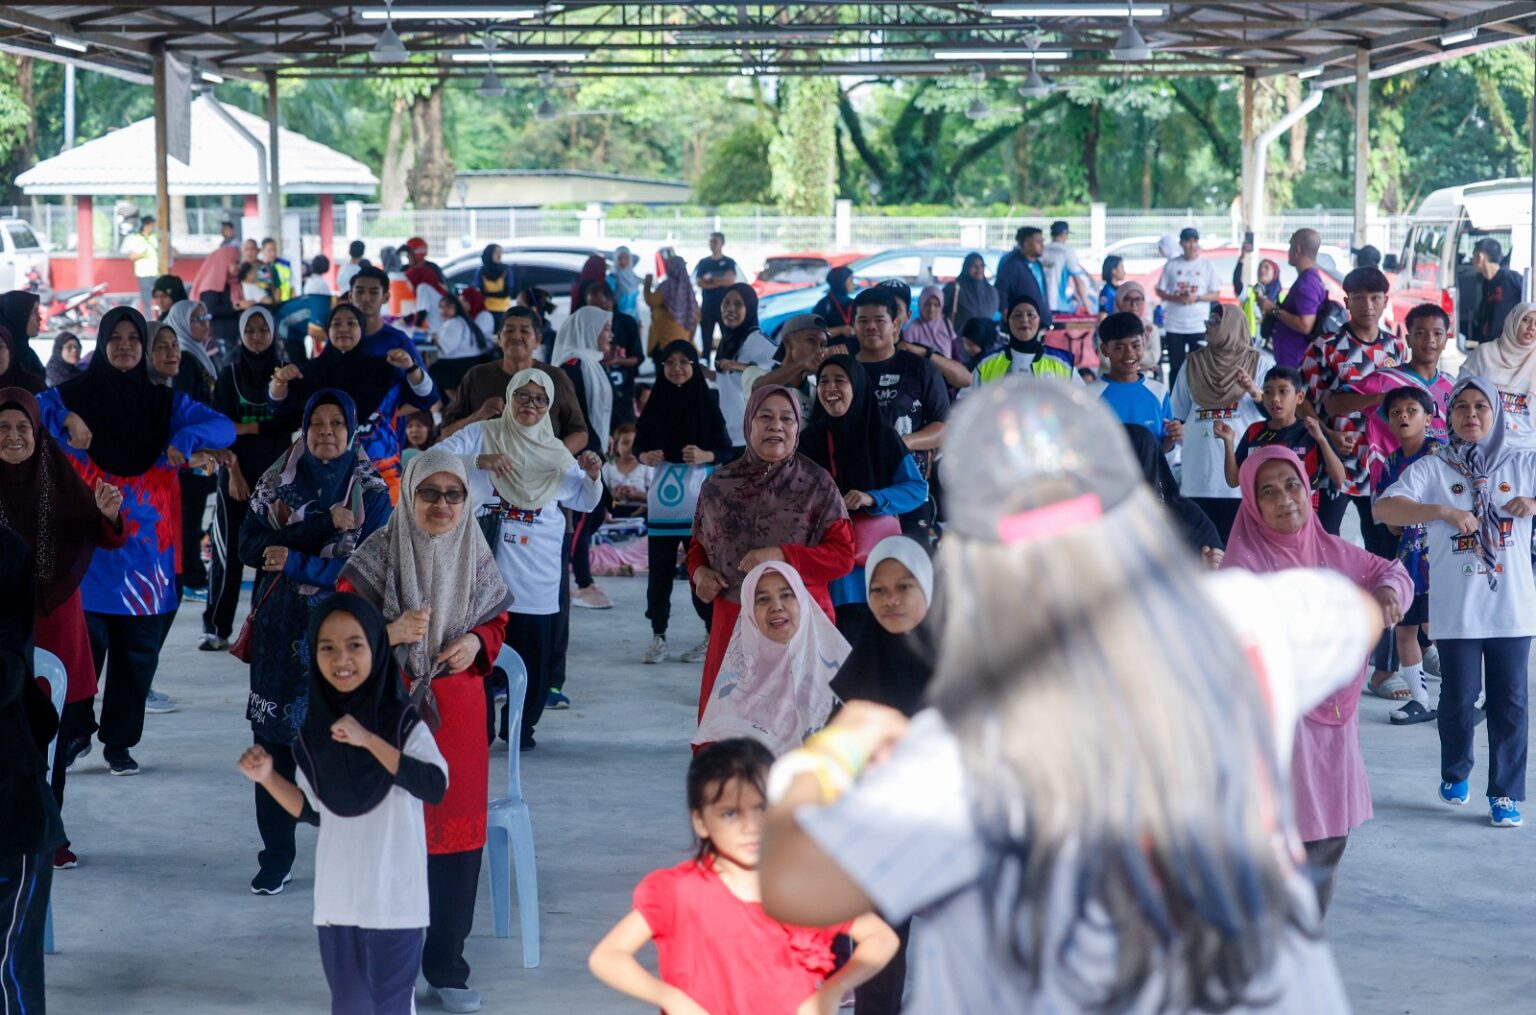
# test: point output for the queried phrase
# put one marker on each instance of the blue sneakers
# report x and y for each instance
(1454, 792)
(557, 699)
(1503, 812)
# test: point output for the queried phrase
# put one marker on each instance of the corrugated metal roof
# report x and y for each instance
(122, 163)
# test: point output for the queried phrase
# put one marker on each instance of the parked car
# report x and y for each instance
(1435, 265)
(916, 266)
(23, 261)
(554, 272)
(783, 272)
(1138, 253)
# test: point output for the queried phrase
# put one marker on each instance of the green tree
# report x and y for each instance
(803, 154)
(736, 168)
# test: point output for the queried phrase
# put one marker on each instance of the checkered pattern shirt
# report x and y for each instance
(1334, 362)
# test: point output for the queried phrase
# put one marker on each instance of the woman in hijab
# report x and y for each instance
(494, 280)
(674, 308)
(625, 282)
(581, 350)
(128, 591)
(196, 378)
(1276, 529)
(742, 345)
(1131, 298)
(308, 512)
(262, 435)
(1190, 522)
(774, 683)
(1084, 658)
(769, 504)
(970, 296)
(1219, 382)
(1474, 498)
(877, 476)
(595, 270)
(432, 575)
(64, 522)
(65, 361)
(12, 373)
(1025, 352)
(1510, 364)
(680, 434)
(375, 386)
(523, 475)
(931, 328)
(836, 307)
(19, 317)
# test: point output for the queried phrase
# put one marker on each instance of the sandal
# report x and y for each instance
(1412, 712)
(1391, 688)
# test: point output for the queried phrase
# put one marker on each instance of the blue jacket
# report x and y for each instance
(1015, 279)
(908, 492)
(389, 337)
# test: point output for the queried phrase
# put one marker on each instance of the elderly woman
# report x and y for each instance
(431, 574)
(122, 427)
(1276, 529)
(308, 512)
(1510, 364)
(63, 521)
(769, 504)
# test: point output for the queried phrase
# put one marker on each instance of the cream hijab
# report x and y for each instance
(1508, 364)
(1212, 370)
(541, 460)
(577, 339)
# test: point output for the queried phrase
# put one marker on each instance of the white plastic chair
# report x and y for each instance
(47, 666)
(507, 823)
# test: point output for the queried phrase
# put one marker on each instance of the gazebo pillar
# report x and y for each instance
(85, 241)
(1362, 143)
(328, 233)
(253, 207)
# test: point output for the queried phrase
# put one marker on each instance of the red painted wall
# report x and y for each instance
(117, 272)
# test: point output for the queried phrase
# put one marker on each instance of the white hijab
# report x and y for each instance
(906, 552)
(1508, 364)
(777, 694)
(541, 460)
(179, 317)
(577, 339)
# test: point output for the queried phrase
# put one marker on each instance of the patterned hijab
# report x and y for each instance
(677, 291)
(752, 503)
(1213, 369)
(401, 567)
(1478, 461)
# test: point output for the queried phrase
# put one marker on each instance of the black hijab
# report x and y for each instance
(346, 778)
(367, 378)
(888, 669)
(1034, 346)
(59, 369)
(27, 719)
(172, 286)
(129, 415)
(16, 374)
(16, 309)
(731, 339)
(1192, 523)
(679, 415)
(491, 270)
(859, 449)
(252, 370)
(837, 285)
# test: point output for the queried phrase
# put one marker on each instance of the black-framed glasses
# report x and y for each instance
(537, 401)
(431, 495)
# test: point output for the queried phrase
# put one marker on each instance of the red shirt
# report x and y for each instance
(726, 954)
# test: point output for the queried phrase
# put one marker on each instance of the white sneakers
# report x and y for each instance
(657, 652)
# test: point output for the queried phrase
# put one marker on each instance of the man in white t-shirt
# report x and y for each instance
(1187, 287)
(1063, 269)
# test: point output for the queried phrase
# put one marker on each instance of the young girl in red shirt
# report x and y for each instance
(718, 952)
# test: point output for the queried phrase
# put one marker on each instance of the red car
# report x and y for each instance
(798, 270)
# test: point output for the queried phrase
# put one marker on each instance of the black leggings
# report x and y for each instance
(661, 572)
(452, 879)
(274, 823)
(581, 542)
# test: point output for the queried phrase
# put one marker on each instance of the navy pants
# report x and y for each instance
(127, 652)
(370, 972)
(1465, 663)
(24, 885)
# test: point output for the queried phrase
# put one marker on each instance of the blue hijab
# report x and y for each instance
(299, 486)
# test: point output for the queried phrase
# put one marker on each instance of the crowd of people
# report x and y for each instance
(933, 646)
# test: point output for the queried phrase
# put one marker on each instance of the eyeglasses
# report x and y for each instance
(432, 495)
(202, 317)
(537, 401)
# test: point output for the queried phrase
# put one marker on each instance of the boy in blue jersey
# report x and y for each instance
(1133, 397)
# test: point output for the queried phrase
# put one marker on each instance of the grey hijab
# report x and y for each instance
(179, 317)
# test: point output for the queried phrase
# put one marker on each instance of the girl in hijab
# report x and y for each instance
(366, 764)
(932, 329)
(65, 361)
(114, 423)
(1510, 364)
(420, 434)
(674, 308)
(742, 345)
(480, 316)
(836, 307)
(522, 476)
(1025, 352)
(625, 282)
(595, 270)
(19, 317)
(1276, 529)
(877, 477)
(1474, 498)
(494, 280)
(309, 510)
(987, 812)
(1219, 383)
(969, 297)
(770, 504)
(63, 522)
(581, 350)
(431, 574)
(774, 683)
(195, 377)
(680, 435)
(461, 343)
(12, 373)
(1190, 522)
(262, 435)
(375, 386)
(1131, 298)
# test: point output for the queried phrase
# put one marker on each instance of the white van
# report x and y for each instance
(1435, 265)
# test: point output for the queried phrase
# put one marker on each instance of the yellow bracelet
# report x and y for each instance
(842, 747)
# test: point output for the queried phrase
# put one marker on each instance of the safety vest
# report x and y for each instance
(284, 276)
(999, 365)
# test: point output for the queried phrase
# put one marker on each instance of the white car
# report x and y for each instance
(23, 261)
(1139, 254)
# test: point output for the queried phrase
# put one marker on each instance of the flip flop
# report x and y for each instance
(1388, 688)
(1412, 712)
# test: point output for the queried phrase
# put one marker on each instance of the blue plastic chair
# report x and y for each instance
(47, 666)
(508, 824)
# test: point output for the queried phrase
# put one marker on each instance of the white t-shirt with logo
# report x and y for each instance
(1183, 276)
(1204, 454)
(1461, 605)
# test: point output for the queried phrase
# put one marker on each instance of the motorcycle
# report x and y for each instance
(77, 310)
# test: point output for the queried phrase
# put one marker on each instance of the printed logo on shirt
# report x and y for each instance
(1516, 402)
(1503, 487)
(889, 380)
(1458, 488)
(1480, 569)
(1221, 412)
(1468, 544)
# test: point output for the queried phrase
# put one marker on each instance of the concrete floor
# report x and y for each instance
(1435, 911)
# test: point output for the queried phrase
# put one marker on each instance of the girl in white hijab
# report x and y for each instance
(581, 346)
(625, 281)
(1510, 363)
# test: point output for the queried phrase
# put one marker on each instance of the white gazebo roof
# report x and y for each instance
(122, 163)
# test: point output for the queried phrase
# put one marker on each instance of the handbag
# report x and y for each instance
(241, 649)
(868, 530)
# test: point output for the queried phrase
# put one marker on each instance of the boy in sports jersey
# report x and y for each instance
(1281, 399)
(1428, 328)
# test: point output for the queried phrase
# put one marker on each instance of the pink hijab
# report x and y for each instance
(1255, 546)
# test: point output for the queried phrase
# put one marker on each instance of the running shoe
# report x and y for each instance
(119, 761)
(658, 650)
(159, 704)
(459, 999)
(213, 643)
(1432, 660)
(270, 882)
(1503, 812)
(1454, 792)
(196, 595)
(557, 699)
(74, 750)
(64, 859)
(591, 598)
(697, 653)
